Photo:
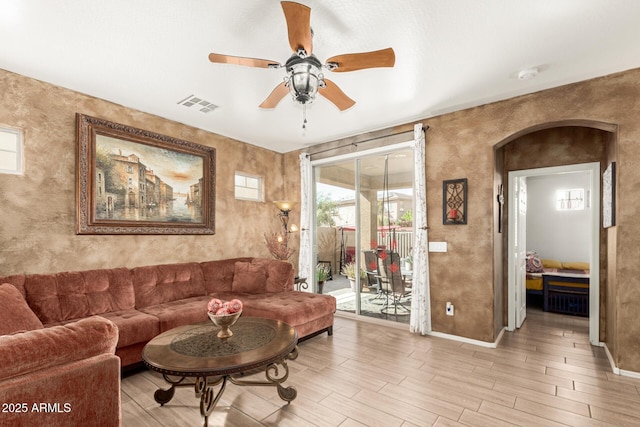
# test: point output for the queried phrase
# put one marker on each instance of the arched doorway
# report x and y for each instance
(553, 145)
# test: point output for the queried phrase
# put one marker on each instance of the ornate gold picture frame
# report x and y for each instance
(132, 181)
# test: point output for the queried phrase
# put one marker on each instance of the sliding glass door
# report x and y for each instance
(364, 232)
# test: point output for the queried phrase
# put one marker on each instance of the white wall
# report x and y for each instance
(561, 235)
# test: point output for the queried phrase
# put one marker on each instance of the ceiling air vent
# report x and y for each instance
(196, 102)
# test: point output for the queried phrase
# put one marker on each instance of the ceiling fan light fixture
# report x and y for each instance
(304, 82)
(305, 77)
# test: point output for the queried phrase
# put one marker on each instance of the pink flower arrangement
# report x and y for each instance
(224, 308)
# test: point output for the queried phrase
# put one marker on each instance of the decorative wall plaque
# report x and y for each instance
(454, 208)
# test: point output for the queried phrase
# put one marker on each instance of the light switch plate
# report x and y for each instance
(437, 246)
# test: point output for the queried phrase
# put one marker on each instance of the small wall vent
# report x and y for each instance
(196, 102)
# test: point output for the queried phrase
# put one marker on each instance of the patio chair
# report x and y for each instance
(393, 284)
(372, 269)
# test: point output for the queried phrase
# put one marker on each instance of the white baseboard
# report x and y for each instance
(469, 340)
(500, 335)
(615, 369)
(405, 326)
(632, 374)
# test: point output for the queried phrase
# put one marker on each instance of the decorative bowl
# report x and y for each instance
(224, 321)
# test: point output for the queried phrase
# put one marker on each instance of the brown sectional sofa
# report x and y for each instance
(146, 301)
(60, 334)
(58, 387)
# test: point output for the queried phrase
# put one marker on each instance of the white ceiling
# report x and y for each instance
(151, 54)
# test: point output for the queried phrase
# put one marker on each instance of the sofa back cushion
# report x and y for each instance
(218, 275)
(71, 295)
(47, 349)
(158, 284)
(280, 274)
(17, 281)
(15, 314)
(249, 277)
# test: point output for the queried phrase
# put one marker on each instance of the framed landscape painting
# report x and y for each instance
(132, 181)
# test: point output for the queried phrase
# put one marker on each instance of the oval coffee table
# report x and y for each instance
(194, 351)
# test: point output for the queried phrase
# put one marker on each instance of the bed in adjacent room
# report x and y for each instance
(564, 286)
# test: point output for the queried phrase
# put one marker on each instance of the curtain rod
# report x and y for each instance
(355, 144)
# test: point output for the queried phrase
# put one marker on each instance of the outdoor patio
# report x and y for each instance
(371, 303)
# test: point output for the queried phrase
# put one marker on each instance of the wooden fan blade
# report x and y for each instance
(359, 61)
(239, 60)
(333, 93)
(275, 96)
(298, 18)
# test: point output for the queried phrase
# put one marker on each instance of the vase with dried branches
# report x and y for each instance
(278, 245)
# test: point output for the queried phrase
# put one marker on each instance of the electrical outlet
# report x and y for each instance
(449, 309)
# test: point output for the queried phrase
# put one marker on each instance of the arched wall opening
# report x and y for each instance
(549, 145)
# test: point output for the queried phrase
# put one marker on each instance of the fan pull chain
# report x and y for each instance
(304, 116)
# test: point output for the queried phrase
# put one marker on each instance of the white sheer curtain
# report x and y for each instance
(304, 260)
(420, 321)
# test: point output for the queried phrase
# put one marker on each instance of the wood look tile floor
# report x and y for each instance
(545, 374)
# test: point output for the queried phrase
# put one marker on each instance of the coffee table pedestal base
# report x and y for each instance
(276, 373)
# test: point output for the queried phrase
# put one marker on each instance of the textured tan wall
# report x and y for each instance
(461, 144)
(37, 231)
(37, 209)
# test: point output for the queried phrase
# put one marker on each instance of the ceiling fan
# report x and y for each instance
(304, 70)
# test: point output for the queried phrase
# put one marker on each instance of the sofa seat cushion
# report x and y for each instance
(134, 326)
(177, 313)
(294, 308)
(15, 314)
(158, 284)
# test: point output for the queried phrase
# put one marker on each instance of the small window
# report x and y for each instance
(10, 151)
(570, 200)
(248, 187)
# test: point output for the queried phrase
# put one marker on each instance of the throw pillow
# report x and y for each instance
(575, 265)
(15, 314)
(249, 278)
(551, 263)
(279, 274)
(534, 265)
